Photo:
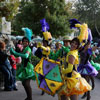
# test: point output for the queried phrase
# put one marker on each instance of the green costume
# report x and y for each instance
(60, 53)
(95, 65)
(26, 70)
(93, 60)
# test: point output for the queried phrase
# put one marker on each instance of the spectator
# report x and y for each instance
(19, 47)
(5, 68)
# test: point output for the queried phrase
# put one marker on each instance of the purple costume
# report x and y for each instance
(85, 67)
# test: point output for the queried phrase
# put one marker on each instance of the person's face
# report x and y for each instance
(25, 43)
(74, 45)
(66, 43)
(60, 45)
(44, 43)
(57, 45)
(87, 46)
(20, 42)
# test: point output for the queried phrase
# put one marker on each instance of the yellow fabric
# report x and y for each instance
(53, 61)
(38, 68)
(71, 82)
(47, 35)
(81, 87)
(75, 54)
(68, 69)
(46, 50)
(39, 44)
(75, 85)
(53, 85)
(83, 32)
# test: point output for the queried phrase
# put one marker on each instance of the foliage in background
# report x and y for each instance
(89, 12)
(9, 8)
(54, 11)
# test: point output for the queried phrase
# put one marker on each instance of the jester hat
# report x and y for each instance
(45, 27)
(74, 23)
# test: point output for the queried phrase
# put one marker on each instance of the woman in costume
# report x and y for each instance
(85, 68)
(44, 50)
(74, 84)
(46, 39)
(71, 77)
(26, 71)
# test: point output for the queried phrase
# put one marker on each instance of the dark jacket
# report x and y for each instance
(3, 57)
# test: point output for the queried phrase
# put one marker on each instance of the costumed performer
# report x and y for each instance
(74, 84)
(44, 50)
(26, 71)
(61, 53)
(94, 59)
(85, 67)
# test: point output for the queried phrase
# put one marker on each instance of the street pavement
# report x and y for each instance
(21, 95)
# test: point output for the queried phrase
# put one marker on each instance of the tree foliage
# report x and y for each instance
(54, 11)
(8, 9)
(89, 12)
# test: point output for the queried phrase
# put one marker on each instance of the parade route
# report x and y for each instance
(36, 93)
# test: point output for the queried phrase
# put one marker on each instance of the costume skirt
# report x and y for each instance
(87, 69)
(75, 85)
(24, 73)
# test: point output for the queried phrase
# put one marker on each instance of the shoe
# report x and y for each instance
(42, 93)
(84, 96)
(15, 89)
(7, 89)
(28, 99)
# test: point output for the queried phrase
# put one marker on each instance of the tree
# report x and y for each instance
(8, 9)
(89, 12)
(54, 11)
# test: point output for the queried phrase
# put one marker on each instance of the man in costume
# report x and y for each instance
(62, 52)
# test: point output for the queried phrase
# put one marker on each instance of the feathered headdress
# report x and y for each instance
(73, 22)
(83, 36)
(45, 25)
(28, 33)
(45, 28)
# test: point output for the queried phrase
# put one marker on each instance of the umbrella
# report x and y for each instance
(48, 76)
